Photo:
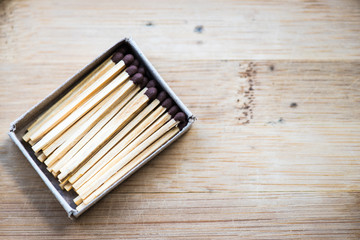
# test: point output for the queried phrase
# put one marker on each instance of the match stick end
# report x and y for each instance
(151, 93)
(168, 103)
(173, 111)
(137, 79)
(180, 117)
(141, 70)
(122, 50)
(117, 57)
(131, 70)
(162, 96)
(144, 82)
(136, 63)
(128, 59)
(152, 83)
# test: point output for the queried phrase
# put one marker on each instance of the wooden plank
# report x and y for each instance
(275, 152)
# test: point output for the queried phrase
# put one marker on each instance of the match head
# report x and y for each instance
(117, 57)
(131, 70)
(180, 117)
(168, 103)
(173, 111)
(141, 70)
(162, 96)
(128, 59)
(136, 63)
(137, 78)
(122, 50)
(152, 83)
(181, 125)
(151, 93)
(144, 82)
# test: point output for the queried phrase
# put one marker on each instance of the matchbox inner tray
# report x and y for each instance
(19, 126)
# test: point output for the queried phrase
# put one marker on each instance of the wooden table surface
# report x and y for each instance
(275, 153)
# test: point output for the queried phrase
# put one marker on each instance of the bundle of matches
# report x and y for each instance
(105, 126)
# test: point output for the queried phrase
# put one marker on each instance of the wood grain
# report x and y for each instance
(275, 153)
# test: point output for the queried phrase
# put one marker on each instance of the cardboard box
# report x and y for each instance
(19, 126)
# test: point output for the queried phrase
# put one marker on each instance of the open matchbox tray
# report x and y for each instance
(19, 126)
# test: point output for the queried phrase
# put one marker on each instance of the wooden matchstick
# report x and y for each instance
(123, 148)
(74, 92)
(83, 97)
(123, 132)
(122, 118)
(117, 163)
(161, 98)
(110, 104)
(129, 89)
(89, 135)
(53, 159)
(115, 139)
(66, 135)
(65, 99)
(82, 110)
(119, 146)
(42, 157)
(131, 165)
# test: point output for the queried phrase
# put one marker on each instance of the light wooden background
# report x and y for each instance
(275, 153)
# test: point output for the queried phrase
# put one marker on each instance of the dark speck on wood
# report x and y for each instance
(149, 24)
(272, 68)
(293, 105)
(199, 29)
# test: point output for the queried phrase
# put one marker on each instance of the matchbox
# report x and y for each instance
(148, 116)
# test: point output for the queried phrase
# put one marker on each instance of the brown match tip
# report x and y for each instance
(151, 93)
(117, 57)
(121, 50)
(131, 70)
(136, 63)
(137, 78)
(168, 103)
(182, 125)
(162, 96)
(128, 59)
(152, 83)
(180, 117)
(144, 82)
(173, 111)
(141, 70)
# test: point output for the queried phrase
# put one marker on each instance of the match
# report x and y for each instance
(122, 118)
(131, 165)
(82, 110)
(110, 104)
(118, 162)
(116, 150)
(72, 94)
(137, 83)
(115, 139)
(83, 97)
